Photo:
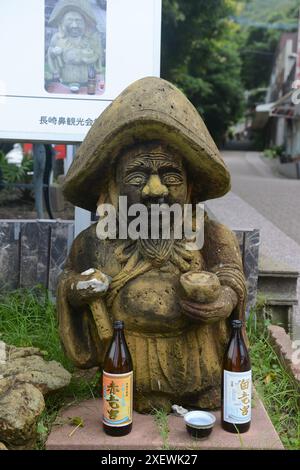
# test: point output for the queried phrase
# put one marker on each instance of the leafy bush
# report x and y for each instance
(28, 318)
(274, 152)
(200, 54)
(276, 387)
(12, 173)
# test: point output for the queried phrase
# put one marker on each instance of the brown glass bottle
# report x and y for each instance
(91, 84)
(236, 383)
(117, 385)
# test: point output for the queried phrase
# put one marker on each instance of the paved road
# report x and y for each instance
(275, 197)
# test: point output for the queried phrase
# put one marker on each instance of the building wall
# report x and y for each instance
(280, 131)
(296, 139)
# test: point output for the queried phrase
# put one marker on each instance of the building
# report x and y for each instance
(279, 116)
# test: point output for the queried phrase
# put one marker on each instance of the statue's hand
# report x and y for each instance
(88, 286)
(87, 54)
(72, 56)
(214, 311)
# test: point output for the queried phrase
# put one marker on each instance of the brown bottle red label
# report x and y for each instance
(117, 399)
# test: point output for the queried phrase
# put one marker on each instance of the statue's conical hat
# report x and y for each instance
(149, 109)
(64, 6)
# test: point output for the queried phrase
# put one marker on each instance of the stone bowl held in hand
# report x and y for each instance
(202, 287)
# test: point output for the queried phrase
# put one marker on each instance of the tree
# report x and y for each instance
(267, 20)
(200, 54)
(258, 53)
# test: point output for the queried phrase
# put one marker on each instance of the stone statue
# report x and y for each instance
(151, 145)
(74, 53)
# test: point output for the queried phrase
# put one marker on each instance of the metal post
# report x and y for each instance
(71, 149)
(82, 217)
(39, 163)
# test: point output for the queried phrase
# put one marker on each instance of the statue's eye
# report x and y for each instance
(171, 178)
(136, 179)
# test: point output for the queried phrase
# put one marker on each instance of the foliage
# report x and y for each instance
(257, 54)
(28, 318)
(200, 55)
(268, 10)
(162, 423)
(277, 389)
(274, 152)
(213, 60)
(255, 97)
(260, 41)
(12, 173)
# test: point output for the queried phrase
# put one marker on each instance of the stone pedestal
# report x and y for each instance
(145, 433)
(277, 283)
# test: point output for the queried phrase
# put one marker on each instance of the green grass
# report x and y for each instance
(161, 421)
(275, 386)
(28, 318)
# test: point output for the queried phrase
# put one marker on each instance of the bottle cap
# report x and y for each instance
(118, 324)
(236, 323)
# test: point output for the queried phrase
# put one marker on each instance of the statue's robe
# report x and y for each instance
(176, 359)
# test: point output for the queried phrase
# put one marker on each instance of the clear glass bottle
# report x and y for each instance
(236, 383)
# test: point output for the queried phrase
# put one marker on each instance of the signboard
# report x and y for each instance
(64, 61)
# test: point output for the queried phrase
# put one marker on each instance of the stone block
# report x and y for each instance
(145, 434)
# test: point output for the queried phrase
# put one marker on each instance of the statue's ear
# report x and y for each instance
(102, 198)
(109, 193)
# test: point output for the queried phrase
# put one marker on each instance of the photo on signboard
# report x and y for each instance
(75, 42)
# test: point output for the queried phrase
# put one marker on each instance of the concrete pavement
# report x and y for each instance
(275, 197)
(266, 201)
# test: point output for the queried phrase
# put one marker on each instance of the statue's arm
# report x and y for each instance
(85, 287)
(54, 58)
(223, 257)
(89, 57)
(95, 54)
(84, 322)
(83, 279)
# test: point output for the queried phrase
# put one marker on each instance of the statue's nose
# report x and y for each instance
(154, 188)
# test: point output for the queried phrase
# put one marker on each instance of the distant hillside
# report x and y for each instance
(270, 10)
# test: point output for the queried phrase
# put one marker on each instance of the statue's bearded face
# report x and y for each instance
(73, 24)
(152, 174)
